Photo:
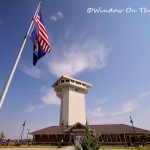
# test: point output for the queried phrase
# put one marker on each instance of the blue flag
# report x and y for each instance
(41, 45)
(38, 52)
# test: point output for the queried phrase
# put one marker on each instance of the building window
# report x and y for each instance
(62, 81)
(109, 138)
(118, 139)
(103, 137)
(100, 138)
(83, 84)
(77, 90)
(78, 83)
(67, 80)
(128, 140)
(72, 138)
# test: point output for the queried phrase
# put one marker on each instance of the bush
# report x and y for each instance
(2, 135)
(78, 146)
(90, 140)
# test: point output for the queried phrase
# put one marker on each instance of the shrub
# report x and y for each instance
(90, 140)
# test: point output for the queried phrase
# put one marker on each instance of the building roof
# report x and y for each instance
(50, 130)
(101, 129)
(69, 78)
(116, 128)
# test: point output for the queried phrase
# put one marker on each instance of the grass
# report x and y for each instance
(122, 148)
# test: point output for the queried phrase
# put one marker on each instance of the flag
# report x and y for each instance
(24, 123)
(40, 40)
(38, 52)
(131, 121)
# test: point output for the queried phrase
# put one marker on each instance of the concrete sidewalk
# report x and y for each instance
(21, 148)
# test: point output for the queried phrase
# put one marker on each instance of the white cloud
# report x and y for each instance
(56, 16)
(49, 96)
(144, 94)
(132, 104)
(60, 14)
(32, 108)
(53, 18)
(97, 112)
(77, 54)
(126, 108)
(32, 71)
(102, 101)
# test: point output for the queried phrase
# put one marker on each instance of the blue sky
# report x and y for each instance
(109, 50)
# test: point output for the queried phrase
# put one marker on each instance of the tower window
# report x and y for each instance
(78, 83)
(77, 90)
(62, 81)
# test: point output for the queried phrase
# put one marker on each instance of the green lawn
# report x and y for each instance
(122, 148)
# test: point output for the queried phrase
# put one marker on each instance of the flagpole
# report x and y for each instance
(133, 130)
(23, 130)
(132, 125)
(5, 89)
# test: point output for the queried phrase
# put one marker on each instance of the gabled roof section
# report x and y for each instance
(76, 125)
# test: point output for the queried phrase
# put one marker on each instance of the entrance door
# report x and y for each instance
(78, 139)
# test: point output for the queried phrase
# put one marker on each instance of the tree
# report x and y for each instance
(90, 140)
(2, 136)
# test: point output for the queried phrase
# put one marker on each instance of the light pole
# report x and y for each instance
(28, 134)
(27, 137)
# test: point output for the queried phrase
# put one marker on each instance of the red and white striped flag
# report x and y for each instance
(42, 34)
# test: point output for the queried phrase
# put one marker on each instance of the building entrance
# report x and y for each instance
(78, 139)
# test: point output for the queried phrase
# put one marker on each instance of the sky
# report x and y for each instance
(102, 42)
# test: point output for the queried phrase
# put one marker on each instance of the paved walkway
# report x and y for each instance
(21, 148)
